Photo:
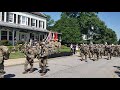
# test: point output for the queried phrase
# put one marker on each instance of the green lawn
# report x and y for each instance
(16, 55)
(21, 55)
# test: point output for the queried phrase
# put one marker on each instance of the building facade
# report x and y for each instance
(22, 26)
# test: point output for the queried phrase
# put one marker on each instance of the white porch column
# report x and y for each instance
(7, 34)
(5, 16)
(16, 19)
(45, 24)
(13, 42)
(37, 23)
(17, 35)
(28, 36)
(0, 34)
(30, 22)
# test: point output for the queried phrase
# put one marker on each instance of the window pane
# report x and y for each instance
(10, 37)
(23, 19)
(10, 33)
(3, 37)
(3, 33)
(10, 17)
(19, 19)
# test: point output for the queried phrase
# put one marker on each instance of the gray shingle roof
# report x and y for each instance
(39, 14)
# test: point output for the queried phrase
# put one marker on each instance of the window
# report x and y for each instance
(3, 35)
(26, 21)
(40, 24)
(11, 15)
(10, 35)
(33, 22)
(19, 19)
(23, 20)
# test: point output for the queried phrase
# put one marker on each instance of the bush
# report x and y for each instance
(20, 42)
(5, 43)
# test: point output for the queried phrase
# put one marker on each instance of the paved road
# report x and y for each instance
(70, 67)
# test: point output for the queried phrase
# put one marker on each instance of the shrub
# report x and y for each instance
(5, 43)
(20, 42)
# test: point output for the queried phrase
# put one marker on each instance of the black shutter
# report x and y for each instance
(18, 19)
(39, 23)
(36, 23)
(31, 22)
(28, 21)
(14, 18)
(43, 25)
(7, 16)
(2, 16)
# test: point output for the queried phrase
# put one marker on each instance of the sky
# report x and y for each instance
(111, 19)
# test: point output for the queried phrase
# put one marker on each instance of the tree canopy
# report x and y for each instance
(73, 24)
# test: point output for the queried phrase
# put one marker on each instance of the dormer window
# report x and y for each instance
(11, 17)
(33, 22)
(23, 20)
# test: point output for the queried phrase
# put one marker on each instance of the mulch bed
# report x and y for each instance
(60, 54)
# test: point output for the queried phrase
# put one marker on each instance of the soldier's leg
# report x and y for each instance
(81, 56)
(44, 68)
(26, 66)
(31, 65)
(85, 57)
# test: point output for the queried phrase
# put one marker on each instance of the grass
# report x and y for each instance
(16, 55)
(21, 55)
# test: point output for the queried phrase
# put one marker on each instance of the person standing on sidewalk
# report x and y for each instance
(74, 49)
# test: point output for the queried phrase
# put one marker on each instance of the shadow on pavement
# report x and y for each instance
(9, 75)
(118, 70)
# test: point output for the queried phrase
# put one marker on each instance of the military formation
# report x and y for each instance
(97, 51)
(41, 51)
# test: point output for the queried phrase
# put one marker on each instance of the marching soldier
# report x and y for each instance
(43, 55)
(2, 72)
(29, 60)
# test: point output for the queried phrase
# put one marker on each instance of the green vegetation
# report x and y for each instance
(17, 55)
(64, 49)
(73, 24)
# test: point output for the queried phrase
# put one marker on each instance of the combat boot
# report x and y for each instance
(2, 72)
(42, 74)
(26, 71)
(31, 70)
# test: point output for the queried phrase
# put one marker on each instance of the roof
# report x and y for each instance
(39, 14)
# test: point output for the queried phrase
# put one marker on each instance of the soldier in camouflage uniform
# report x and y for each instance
(29, 60)
(43, 55)
(4, 55)
(2, 72)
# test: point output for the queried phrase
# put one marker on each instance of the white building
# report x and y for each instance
(22, 26)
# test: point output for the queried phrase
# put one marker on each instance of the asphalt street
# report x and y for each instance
(70, 67)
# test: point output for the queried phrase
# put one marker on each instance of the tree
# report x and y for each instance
(69, 27)
(50, 22)
(119, 41)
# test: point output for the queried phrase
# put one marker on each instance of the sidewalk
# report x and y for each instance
(21, 61)
(13, 62)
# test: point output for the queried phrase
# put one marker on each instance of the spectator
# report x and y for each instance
(74, 49)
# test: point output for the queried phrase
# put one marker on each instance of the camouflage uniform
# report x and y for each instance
(2, 72)
(43, 55)
(29, 60)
